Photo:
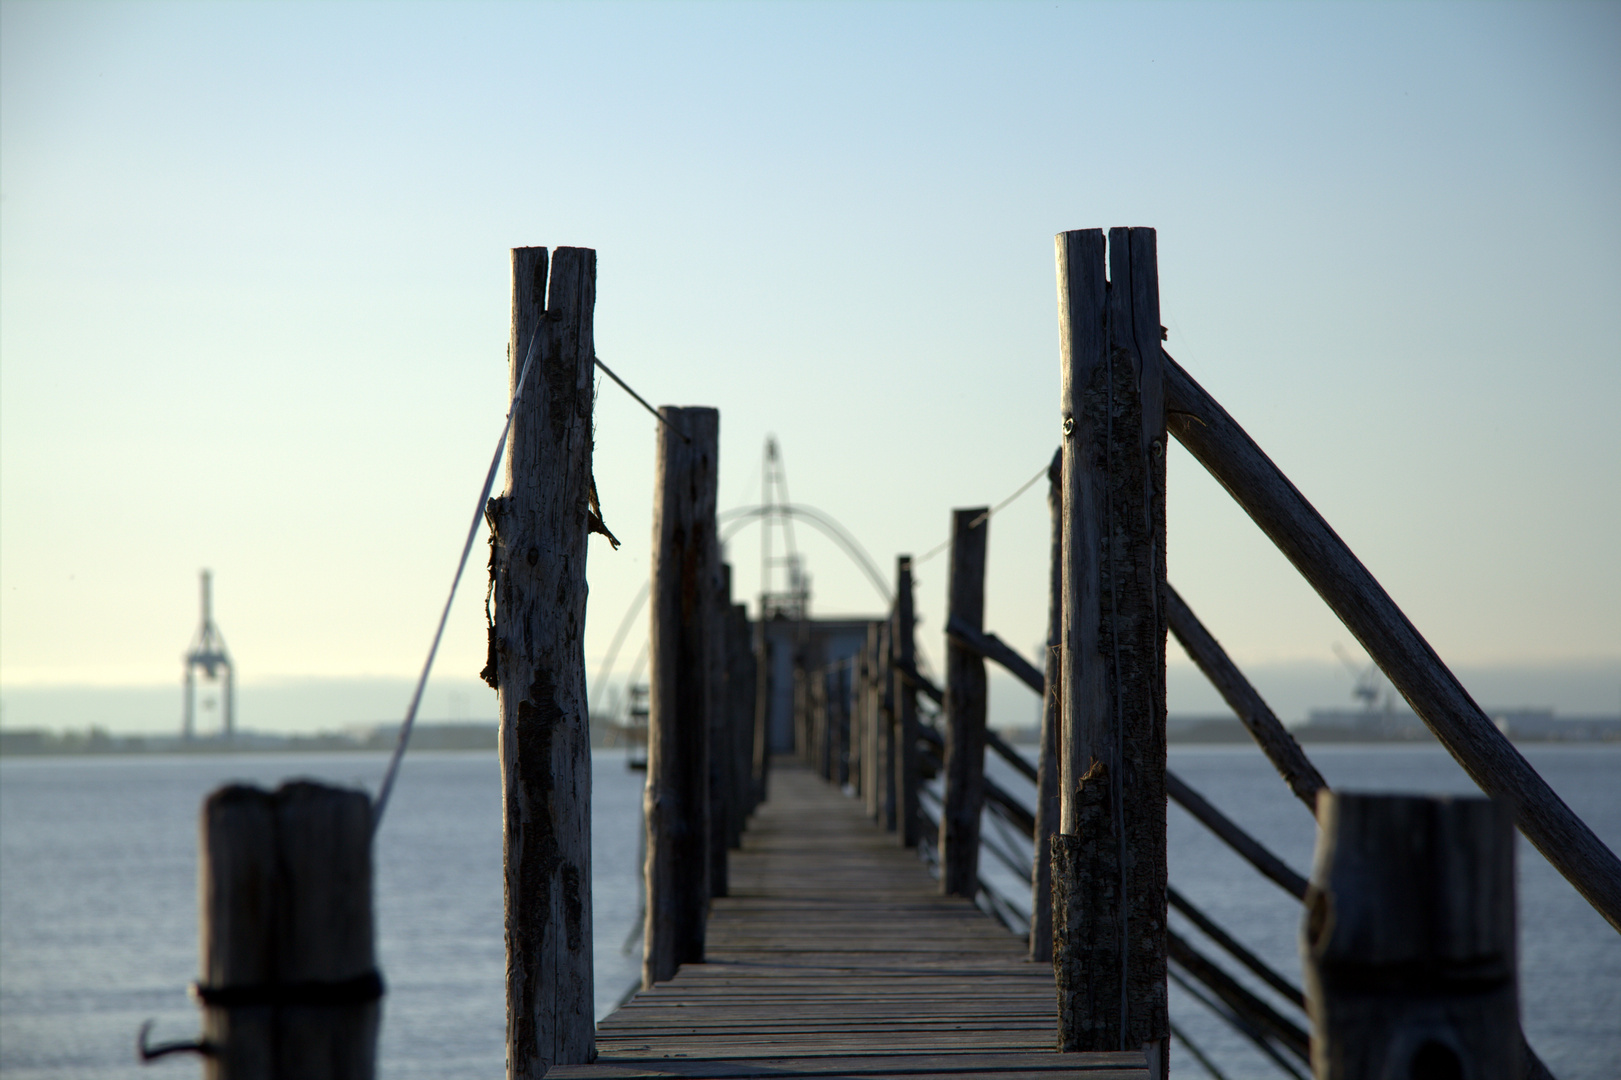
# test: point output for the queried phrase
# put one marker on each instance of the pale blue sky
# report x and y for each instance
(254, 289)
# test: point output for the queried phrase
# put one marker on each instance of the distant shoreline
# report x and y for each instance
(441, 736)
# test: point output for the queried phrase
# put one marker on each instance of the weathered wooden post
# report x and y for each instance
(860, 760)
(820, 697)
(1408, 939)
(538, 529)
(764, 691)
(288, 984)
(965, 709)
(720, 742)
(740, 688)
(906, 771)
(885, 693)
(676, 801)
(1047, 764)
(872, 793)
(1108, 864)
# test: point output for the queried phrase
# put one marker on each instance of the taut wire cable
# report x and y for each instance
(387, 788)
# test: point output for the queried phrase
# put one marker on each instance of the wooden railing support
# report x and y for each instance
(964, 759)
(1409, 939)
(740, 688)
(872, 788)
(676, 802)
(720, 741)
(906, 772)
(1108, 908)
(1047, 759)
(288, 983)
(1435, 694)
(1257, 717)
(538, 528)
(764, 671)
(885, 694)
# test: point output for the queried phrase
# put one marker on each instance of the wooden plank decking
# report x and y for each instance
(835, 955)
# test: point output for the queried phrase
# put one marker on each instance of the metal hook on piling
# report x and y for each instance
(149, 1054)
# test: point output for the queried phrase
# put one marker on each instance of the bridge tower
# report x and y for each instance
(209, 653)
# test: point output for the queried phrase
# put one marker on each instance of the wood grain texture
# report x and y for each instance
(538, 529)
(1112, 677)
(1409, 939)
(285, 893)
(964, 756)
(835, 955)
(1435, 694)
(676, 800)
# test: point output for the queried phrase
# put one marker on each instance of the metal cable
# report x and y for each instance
(386, 789)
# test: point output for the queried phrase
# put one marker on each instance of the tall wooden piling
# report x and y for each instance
(740, 690)
(965, 709)
(720, 742)
(538, 530)
(886, 725)
(765, 668)
(906, 770)
(676, 801)
(1109, 863)
(871, 760)
(1047, 763)
(288, 982)
(1409, 940)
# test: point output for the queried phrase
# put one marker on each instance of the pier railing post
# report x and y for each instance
(906, 769)
(720, 742)
(885, 693)
(288, 982)
(764, 696)
(1408, 939)
(538, 529)
(965, 709)
(1047, 762)
(1108, 864)
(676, 800)
(740, 688)
(871, 760)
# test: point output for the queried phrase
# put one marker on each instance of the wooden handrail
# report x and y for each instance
(1253, 851)
(1215, 933)
(1233, 994)
(1263, 725)
(1324, 560)
(992, 648)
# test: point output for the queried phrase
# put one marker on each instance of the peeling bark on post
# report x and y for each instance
(538, 530)
(906, 773)
(676, 800)
(1112, 671)
(965, 710)
(1047, 763)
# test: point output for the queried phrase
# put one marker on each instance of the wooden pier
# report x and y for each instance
(835, 955)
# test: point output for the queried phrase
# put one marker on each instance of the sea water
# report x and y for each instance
(98, 910)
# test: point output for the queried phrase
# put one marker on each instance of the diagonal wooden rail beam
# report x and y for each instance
(1324, 560)
(1257, 717)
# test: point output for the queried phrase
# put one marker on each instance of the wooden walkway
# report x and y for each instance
(835, 955)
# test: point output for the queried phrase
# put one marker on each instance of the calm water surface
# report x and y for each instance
(98, 901)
